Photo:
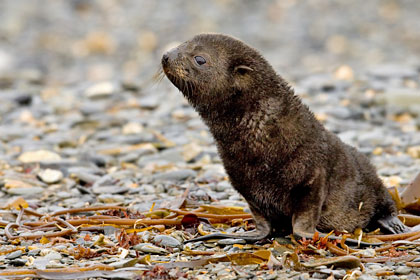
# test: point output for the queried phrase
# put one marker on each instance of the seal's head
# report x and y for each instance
(213, 69)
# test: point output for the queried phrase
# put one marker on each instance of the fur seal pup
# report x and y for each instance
(296, 176)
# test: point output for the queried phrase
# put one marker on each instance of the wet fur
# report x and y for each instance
(294, 173)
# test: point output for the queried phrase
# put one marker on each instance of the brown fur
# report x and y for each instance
(295, 175)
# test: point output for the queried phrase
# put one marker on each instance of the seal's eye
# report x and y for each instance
(200, 60)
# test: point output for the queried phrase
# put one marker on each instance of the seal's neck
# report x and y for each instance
(275, 120)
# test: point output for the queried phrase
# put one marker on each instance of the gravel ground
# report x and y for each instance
(83, 122)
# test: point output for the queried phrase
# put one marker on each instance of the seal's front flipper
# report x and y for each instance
(392, 224)
(263, 229)
(252, 236)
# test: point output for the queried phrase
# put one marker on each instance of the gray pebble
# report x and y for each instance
(34, 252)
(392, 71)
(223, 186)
(177, 175)
(26, 192)
(319, 275)
(166, 241)
(403, 270)
(53, 256)
(303, 276)
(86, 177)
(366, 277)
(14, 255)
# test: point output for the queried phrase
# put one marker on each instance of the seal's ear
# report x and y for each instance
(242, 69)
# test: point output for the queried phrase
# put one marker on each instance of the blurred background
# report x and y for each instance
(68, 41)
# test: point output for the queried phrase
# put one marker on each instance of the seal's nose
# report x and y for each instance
(170, 56)
(165, 59)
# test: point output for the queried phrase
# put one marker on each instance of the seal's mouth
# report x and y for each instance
(177, 74)
(175, 79)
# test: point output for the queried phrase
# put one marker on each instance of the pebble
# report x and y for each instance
(26, 192)
(14, 255)
(50, 176)
(38, 156)
(366, 277)
(393, 71)
(403, 270)
(177, 175)
(34, 252)
(100, 90)
(166, 241)
(318, 275)
(53, 256)
(17, 262)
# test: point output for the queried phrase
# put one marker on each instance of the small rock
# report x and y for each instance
(26, 192)
(403, 270)
(34, 252)
(14, 255)
(18, 262)
(403, 97)
(318, 275)
(100, 90)
(23, 100)
(223, 186)
(149, 102)
(392, 71)
(38, 156)
(303, 276)
(132, 128)
(190, 151)
(166, 241)
(177, 175)
(414, 151)
(366, 277)
(375, 267)
(50, 176)
(53, 255)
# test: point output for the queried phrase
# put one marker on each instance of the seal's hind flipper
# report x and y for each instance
(392, 224)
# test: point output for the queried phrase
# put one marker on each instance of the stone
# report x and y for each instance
(366, 277)
(177, 175)
(403, 270)
(38, 156)
(166, 241)
(405, 98)
(34, 252)
(50, 176)
(132, 128)
(100, 90)
(392, 71)
(149, 102)
(318, 275)
(53, 255)
(14, 255)
(23, 99)
(17, 262)
(26, 192)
